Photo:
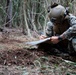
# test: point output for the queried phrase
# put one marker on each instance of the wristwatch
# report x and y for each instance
(60, 38)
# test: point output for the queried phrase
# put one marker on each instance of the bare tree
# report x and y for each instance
(25, 19)
(30, 15)
(9, 13)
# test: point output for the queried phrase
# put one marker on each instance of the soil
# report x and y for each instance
(17, 58)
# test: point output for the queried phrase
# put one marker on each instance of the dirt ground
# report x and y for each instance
(17, 58)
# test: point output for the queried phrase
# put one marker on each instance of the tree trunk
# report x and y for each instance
(9, 14)
(25, 19)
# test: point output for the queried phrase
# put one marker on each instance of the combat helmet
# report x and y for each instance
(57, 12)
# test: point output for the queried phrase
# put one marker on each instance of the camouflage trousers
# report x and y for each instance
(74, 43)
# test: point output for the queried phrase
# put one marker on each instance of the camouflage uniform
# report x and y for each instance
(68, 33)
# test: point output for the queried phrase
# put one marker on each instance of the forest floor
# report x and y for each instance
(17, 58)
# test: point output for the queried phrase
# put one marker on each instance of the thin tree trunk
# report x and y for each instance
(9, 13)
(25, 19)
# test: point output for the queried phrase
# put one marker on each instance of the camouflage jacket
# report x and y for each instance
(68, 32)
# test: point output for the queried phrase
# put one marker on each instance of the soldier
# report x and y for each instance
(61, 28)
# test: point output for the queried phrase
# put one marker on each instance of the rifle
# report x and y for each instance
(38, 42)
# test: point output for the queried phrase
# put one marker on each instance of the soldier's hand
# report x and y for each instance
(54, 39)
(42, 37)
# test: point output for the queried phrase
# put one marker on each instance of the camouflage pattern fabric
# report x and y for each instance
(66, 29)
(74, 43)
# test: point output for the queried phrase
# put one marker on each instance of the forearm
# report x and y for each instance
(68, 33)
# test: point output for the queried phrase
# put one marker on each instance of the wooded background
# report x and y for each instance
(29, 15)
